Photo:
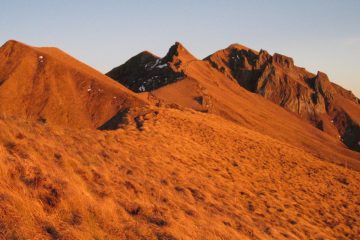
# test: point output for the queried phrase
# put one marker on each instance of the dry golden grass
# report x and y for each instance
(186, 175)
(47, 84)
(208, 90)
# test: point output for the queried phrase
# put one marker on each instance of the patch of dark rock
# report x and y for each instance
(118, 121)
(54, 234)
(157, 221)
(343, 180)
(165, 236)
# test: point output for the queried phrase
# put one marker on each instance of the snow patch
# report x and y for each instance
(155, 64)
(142, 88)
(162, 65)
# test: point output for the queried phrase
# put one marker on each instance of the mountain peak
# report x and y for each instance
(283, 60)
(16, 47)
(12, 42)
(11, 45)
(178, 52)
(239, 47)
(144, 57)
(146, 72)
(179, 44)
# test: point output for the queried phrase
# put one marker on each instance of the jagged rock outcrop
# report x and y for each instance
(282, 60)
(146, 72)
(345, 93)
(312, 97)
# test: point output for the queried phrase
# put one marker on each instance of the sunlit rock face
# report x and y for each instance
(311, 96)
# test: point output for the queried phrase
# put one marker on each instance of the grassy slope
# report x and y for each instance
(183, 177)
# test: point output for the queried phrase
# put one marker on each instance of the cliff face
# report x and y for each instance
(312, 97)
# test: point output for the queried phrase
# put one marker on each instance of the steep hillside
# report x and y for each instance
(204, 88)
(194, 155)
(184, 176)
(48, 85)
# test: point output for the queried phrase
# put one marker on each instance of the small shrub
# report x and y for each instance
(10, 146)
(57, 156)
(54, 234)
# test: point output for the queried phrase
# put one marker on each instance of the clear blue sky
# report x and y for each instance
(319, 34)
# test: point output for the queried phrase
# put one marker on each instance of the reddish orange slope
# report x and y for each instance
(206, 89)
(49, 85)
(186, 176)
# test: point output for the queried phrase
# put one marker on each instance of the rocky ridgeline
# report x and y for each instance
(311, 96)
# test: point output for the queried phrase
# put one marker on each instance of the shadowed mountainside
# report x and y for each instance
(146, 72)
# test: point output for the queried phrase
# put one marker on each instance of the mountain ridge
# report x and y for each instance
(275, 77)
(201, 157)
